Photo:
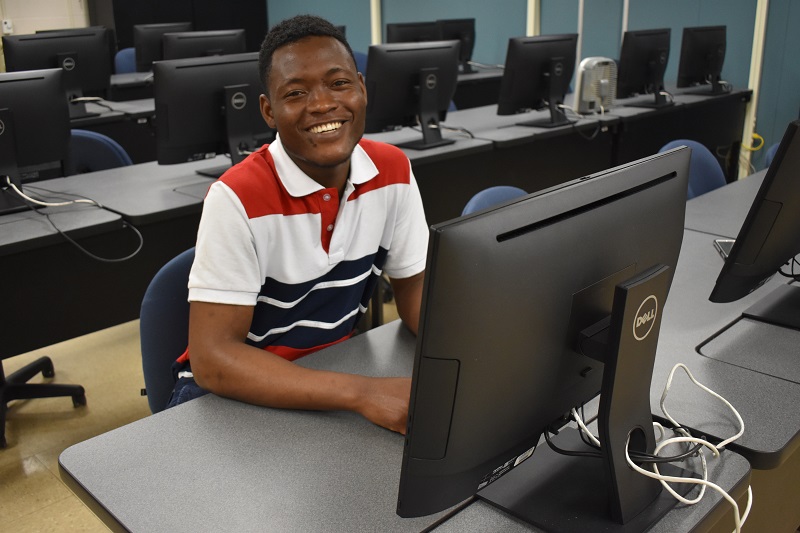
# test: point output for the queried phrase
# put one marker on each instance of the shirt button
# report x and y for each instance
(326, 197)
(330, 227)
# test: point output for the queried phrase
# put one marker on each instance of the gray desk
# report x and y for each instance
(129, 123)
(163, 202)
(722, 211)
(220, 465)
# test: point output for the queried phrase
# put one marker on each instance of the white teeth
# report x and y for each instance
(331, 126)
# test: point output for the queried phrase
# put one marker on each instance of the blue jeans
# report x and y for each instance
(185, 387)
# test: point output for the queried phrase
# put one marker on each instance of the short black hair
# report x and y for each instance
(292, 30)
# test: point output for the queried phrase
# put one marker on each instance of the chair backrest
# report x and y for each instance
(90, 151)
(164, 327)
(705, 173)
(492, 196)
(125, 60)
(770, 154)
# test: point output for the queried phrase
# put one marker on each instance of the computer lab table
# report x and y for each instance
(163, 203)
(130, 123)
(215, 464)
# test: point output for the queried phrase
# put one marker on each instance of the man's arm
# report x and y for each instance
(223, 364)
(408, 298)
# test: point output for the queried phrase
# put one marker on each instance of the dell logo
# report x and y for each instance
(645, 318)
(68, 63)
(430, 81)
(239, 100)
(2, 127)
(558, 69)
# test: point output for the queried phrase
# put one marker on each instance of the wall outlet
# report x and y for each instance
(8, 27)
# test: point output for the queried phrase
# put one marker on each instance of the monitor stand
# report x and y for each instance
(10, 202)
(555, 100)
(428, 112)
(715, 88)
(68, 61)
(603, 494)
(659, 101)
(780, 307)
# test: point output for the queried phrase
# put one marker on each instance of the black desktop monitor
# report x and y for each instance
(537, 74)
(462, 30)
(643, 60)
(508, 292)
(147, 42)
(34, 130)
(83, 54)
(203, 43)
(410, 84)
(412, 32)
(768, 240)
(702, 56)
(207, 106)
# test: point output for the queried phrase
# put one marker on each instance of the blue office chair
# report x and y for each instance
(705, 173)
(361, 62)
(164, 327)
(492, 196)
(770, 154)
(90, 151)
(125, 61)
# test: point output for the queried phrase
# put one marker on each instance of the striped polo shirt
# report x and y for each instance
(273, 238)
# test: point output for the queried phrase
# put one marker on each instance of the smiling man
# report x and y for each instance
(292, 241)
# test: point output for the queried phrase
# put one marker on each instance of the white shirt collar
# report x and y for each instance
(299, 184)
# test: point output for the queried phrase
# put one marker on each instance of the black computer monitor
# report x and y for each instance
(34, 130)
(203, 43)
(412, 32)
(207, 106)
(643, 60)
(83, 54)
(702, 56)
(508, 292)
(410, 84)
(537, 74)
(147, 42)
(768, 240)
(462, 30)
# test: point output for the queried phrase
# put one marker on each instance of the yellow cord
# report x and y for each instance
(756, 137)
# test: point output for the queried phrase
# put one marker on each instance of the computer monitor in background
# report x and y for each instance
(462, 30)
(83, 54)
(702, 56)
(412, 32)
(208, 106)
(643, 60)
(537, 74)
(147, 42)
(410, 84)
(203, 43)
(508, 292)
(34, 130)
(768, 241)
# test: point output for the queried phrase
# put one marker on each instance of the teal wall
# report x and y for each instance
(498, 20)
(353, 14)
(495, 21)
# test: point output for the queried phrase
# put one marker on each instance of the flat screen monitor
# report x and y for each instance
(207, 106)
(537, 74)
(507, 293)
(203, 43)
(147, 42)
(83, 54)
(412, 32)
(702, 56)
(462, 30)
(769, 241)
(34, 130)
(410, 84)
(643, 60)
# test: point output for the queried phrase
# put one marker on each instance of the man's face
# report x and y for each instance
(317, 102)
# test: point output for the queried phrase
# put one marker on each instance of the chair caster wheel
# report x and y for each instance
(77, 401)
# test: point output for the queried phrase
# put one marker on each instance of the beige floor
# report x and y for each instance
(108, 365)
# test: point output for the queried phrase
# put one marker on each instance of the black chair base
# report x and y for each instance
(14, 387)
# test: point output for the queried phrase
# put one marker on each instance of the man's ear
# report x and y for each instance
(363, 86)
(266, 110)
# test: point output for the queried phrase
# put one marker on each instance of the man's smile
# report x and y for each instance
(327, 127)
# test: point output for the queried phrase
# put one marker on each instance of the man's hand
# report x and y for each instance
(384, 401)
